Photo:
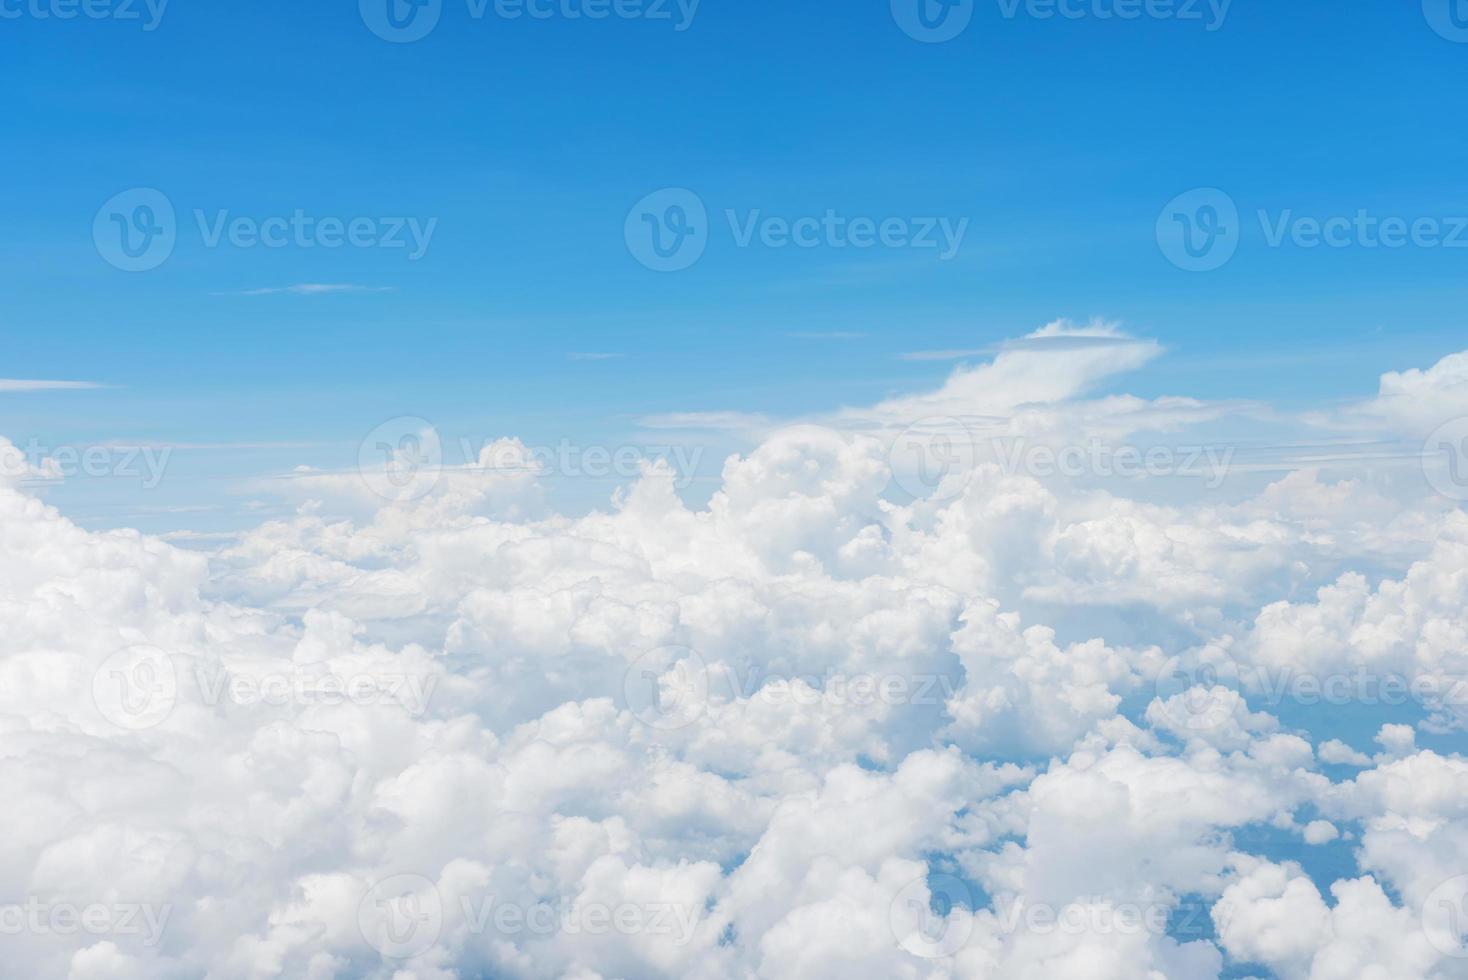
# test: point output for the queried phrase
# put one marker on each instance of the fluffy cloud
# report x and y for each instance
(1274, 915)
(1416, 400)
(1008, 726)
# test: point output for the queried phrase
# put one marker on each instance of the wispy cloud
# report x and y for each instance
(178, 509)
(709, 421)
(15, 384)
(211, 446)
(1058, 342)
(202, 536)
(1074, 341)
(947, 355)
(310, 289)
(592, 356)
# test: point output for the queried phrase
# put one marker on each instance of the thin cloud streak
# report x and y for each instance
(309, 289)
(1043, 343)
(16, 384)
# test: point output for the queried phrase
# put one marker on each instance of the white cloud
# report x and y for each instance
(748, 738)
(16, 384)
(1054, 338)
(1272, 914)
(1030, 374)
(1415, 401)
(738, 421)
(1320, 832)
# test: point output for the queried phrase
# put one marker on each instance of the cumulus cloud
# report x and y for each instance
(1416, 400)
(833, 722)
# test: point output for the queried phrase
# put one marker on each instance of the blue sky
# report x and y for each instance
(257, 253)
(527, 141)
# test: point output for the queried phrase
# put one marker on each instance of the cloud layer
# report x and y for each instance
(901, 700)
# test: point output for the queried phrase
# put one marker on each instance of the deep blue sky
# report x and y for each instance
(529, 140)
